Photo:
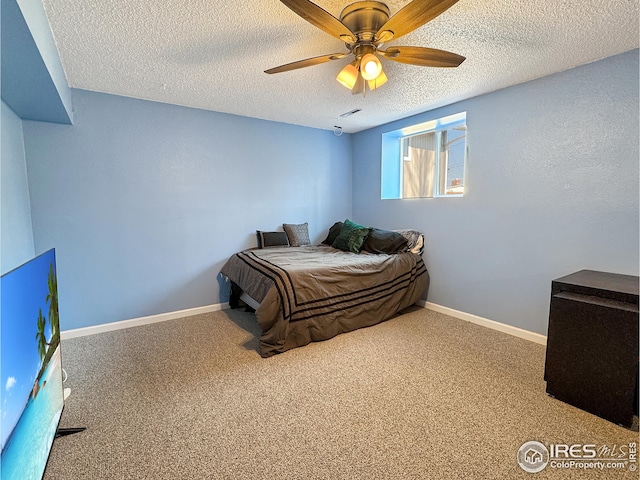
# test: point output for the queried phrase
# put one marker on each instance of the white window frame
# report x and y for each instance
(393, 154)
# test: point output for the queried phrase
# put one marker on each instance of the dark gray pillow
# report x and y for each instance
(334, 231)
(385, 241)
(272, 239)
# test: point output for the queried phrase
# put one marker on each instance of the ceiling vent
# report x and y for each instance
(349, 113)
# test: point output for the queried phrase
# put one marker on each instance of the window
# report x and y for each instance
(425, 160)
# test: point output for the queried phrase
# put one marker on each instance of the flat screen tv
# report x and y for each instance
(31, 395)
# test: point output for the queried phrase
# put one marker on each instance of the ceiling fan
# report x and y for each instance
(364, 27)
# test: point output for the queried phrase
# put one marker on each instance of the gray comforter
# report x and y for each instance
(314, 293)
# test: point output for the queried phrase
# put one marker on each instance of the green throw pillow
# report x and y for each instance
(351, 237)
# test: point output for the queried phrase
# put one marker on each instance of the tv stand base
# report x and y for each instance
(63, 432)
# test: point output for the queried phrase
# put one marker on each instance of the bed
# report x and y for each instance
(303, 293)
(311, 293)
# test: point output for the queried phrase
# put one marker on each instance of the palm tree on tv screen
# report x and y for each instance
(52, 300)
(40, 336)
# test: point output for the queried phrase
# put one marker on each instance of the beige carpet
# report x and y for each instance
(422, 396)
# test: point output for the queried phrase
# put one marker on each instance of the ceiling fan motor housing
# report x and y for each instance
(365, 19)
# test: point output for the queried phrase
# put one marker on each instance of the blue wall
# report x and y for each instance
(144, 201)
(17, 236)
(33, 80)
(552, 187)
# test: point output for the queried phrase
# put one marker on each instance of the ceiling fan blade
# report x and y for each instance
(412, 16)
(425, 57)
(308, 62)
(322, 19)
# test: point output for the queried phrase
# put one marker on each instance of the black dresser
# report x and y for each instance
(592, 344)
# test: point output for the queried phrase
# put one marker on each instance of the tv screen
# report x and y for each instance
(31, 395)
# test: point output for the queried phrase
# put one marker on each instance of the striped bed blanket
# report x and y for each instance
(313, 293)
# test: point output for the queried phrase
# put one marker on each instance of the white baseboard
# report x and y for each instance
(485, 322)
(136, 322)
(163, 317)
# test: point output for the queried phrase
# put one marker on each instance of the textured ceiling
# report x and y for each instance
(211, 54)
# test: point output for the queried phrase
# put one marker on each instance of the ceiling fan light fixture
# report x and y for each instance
(348, 76)
(378, 81)
(370, 67)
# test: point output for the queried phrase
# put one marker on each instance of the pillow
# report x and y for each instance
(272, 239)
(415, 240)
(351, 237)
(298, 234)
(334, 231)
(385, 241)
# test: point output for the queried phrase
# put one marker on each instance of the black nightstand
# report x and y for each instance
(592, 344)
